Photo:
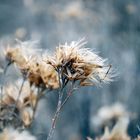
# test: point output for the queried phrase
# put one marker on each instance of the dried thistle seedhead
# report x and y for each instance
(33, 72)
(49, 75)
(41, 74)
(28, 59)
(79, 63)
(21, 52)
(15, 55)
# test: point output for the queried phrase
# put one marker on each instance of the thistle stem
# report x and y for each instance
(56, 115)
(60, 105)
(20, 90)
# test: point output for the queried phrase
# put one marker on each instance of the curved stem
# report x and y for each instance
(56, 115)
(20, 90)
(60, 105)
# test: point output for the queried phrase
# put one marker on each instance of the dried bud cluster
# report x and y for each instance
(28, 59)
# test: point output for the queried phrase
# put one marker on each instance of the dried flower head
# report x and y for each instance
(19, 53)
(28, 59)
(32, 71)
(49, 75)
(41, 74)
(79, 63)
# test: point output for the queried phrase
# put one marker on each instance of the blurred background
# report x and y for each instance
(112, 28)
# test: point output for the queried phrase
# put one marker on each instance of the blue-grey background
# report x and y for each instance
(111, 27)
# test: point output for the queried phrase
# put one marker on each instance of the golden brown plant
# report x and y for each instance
(41, 74)
(71, 65)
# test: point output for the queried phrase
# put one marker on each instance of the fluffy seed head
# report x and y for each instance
(21, 52)
(80, 63)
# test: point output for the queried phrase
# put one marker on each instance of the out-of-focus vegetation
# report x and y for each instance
(112, 28)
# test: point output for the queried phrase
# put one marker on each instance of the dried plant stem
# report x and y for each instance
(1, 97)
(60, 105)
(66, 99)
(20, 90)
(6, 68)
(39, 95)
(56, 115)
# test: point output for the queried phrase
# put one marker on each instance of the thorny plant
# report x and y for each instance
(70, 67)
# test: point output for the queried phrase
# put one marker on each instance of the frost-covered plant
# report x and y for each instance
(70, 67)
